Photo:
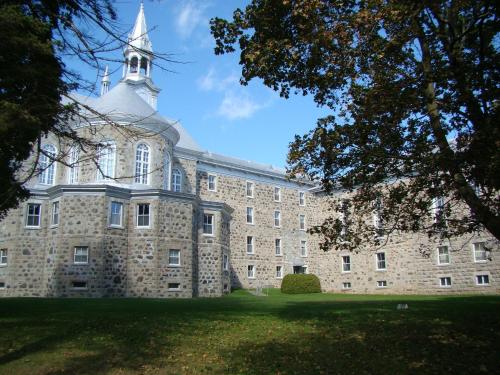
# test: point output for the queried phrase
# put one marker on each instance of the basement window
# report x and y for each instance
(79, 284)
(174, 286)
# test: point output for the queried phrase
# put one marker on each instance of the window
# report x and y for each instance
(2, 284)
(250, 189)
(251, 271)
(143, 215)
(174, 258)
(277, 218)
(249, 215)
(167, 169)
(249, 244)
(212, 182)
(106, 154)
(302, 198)
(279, 272)
(81, 255)
(381, 261)
(277, 194)
(303, 248)
(302, 222)
(480, 252)
(55, 213)
(443, 255)
(445, 282)
(115, 214)
(79, 284)
(277, 246)
(74, 169)
(176, 180)
(47, 165)
(225, 262)
(3, 257)
(438, 207)
(482, 279)
(378, 223)
(346, 263)
(208, 224)
(142, 164)
(382, 284)
(346, 285)
(174, 286)
(33, 215)
(344, 218)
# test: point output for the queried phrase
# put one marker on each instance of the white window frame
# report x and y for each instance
(4, 257)
(28, 205)
(277, 218)
(251, 271)
(167, 171)
(279, 271)
(73, 166)
(344, 263)
(303, 249)
(176, 180)
(474, 252)
(139, 215)
(86, 255)
(346, 285)
(110, 218)
(106, 161)
(47, 165)
(438, 250)
(482, 275)
(377, 261)
(214, 176)
(302, 222)
(250, 215)
(444, 278)
(250, 187)
(174, 288)
(278, 245)
(142, 164)
(250, 245)
(277, 194)
(206, 224)
(381, 283)
(225, 262)
(173, 257)
(54, 217)
(302, 198)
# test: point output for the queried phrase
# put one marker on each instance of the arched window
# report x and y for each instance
(74, 168)
(134, 62)
(106, 154)
(142, 164)
(46, 165)
(176, 180)
(167, 168)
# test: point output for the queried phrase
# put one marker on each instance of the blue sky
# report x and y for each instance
(203, 93)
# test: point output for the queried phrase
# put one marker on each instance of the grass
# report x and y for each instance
(245, 334)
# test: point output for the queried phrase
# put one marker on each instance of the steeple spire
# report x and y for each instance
(105, 82)
(139, 38)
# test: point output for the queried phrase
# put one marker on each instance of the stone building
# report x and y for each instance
(151, 214)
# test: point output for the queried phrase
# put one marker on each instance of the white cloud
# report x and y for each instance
(190, 15)
(210, 82)
(237, 106)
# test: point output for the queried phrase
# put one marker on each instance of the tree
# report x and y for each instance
(413, 88)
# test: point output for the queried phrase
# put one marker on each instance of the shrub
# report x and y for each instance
(300, 283)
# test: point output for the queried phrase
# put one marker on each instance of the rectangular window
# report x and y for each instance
(303, 248)
(346, 285)
(302, 222)
(445, 282)
(249, 215)
(480, 252)
(225, 262)
(346, 263)
(33, 215)
(378, 222)
(250, 188)
(115, 215)
(277, 218)
(249, 244)
(381, 261)
(2, 284)
(81, 255)
(279, 272)
(443, 255)
(79, 284)
(174, 286)
(482, 279)
(277, 194)
(251, 271)
(302, 198)
(143, 215)
(174, 257)
(3, 257)
(382, 284)
(212, 182)
(55, 213)
(208, 224)
(277, 246)
(439, 212)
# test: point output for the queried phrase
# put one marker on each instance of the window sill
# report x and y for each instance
(80, 264)
(278, 255)
(345, 272)
(481, 261)
(3, 265)
(30, 227)
(174, 265)
(208, 234)
(482, 285)
(445, 286)
(117, 227)
(136, 227)
(381, 270)
(250, 223)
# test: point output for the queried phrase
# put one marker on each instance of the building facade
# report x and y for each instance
(148, 213)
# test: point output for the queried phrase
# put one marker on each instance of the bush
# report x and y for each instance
(300, 283)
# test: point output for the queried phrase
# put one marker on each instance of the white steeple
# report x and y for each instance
(105, 82)
(139, 38)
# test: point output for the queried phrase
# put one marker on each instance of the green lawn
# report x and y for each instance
(244, 334)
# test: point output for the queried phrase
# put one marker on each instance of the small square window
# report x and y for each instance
(483, 279)
(381, 265)
(249, 215)
(277, 218)
(346, 263)
(174, 257)
(250, 189)
(277, 194)
(115, 214)
(55, 213)
(143, 215)
(302, 222)
(302, 198)
(480, 252)
(250, 244)
(225, 262)
(382, 284)
(445, 282)
(79, 284)
(279, 272)
(174, 286)
(277, 246)
(346, 285)
(2, 284)
(33, 215)
(208, 224)
(443, 255)
(81, 255)
(3, 257)
(212, 182)
(251, 271)
(303, 248)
